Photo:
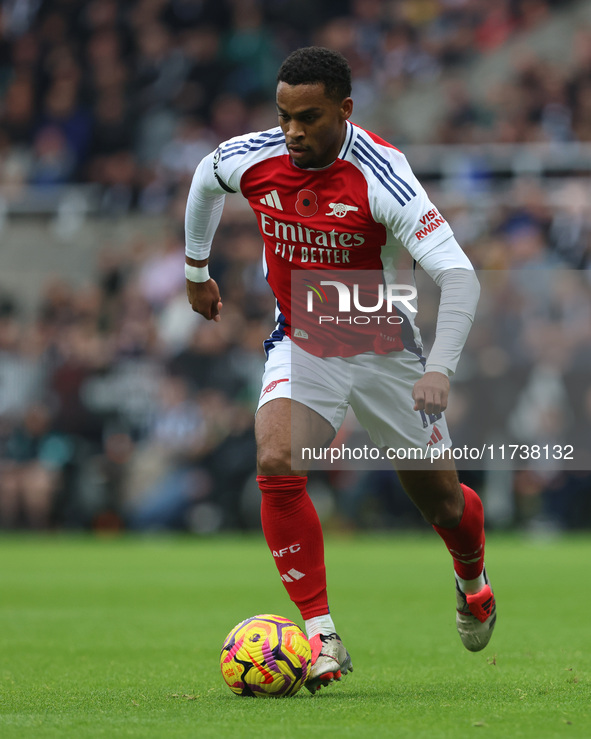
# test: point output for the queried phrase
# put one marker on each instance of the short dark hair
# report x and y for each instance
(315, 64)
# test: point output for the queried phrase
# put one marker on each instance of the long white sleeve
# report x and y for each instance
(204, 210)
(451, 270)
(460, 291)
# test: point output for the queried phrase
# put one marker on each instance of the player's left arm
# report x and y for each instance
(460, 291)
(428, 237)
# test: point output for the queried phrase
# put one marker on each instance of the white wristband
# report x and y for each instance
(196, 274)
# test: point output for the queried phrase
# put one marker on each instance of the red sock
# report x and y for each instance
(292, 529)
(466, 541)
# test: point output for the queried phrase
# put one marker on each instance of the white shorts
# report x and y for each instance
(377, 387)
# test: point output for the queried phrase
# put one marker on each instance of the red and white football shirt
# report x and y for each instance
(352, 215)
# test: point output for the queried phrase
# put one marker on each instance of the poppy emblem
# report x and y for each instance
(307, 203)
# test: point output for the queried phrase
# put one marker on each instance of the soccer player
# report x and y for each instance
(330, 195)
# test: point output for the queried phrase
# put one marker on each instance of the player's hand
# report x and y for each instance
(205, 298)
(430, 392)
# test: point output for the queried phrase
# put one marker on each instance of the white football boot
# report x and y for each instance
(330, 661)
(476, 616)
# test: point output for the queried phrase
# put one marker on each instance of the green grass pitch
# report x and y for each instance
(121, 638)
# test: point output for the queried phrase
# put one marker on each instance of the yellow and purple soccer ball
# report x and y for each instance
(265, 656)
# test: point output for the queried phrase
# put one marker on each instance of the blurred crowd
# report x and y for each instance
(131, 94)
(119, 407)
(122, 405)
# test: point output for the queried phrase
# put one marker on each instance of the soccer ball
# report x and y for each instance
(265, 656)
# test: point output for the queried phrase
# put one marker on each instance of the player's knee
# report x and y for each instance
(274, 460)
(447, 513)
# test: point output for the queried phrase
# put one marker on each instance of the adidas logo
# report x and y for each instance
(488, 605)
(435, 436)
(292, 575)
(272, 200)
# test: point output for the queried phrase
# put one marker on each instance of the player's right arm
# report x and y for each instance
(202, 216)
(219, 173)
(204, 296)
